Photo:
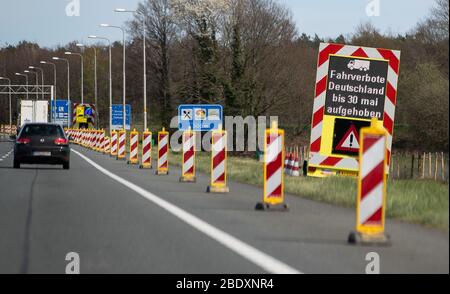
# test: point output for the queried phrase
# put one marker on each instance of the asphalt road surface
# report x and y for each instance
(120, 219)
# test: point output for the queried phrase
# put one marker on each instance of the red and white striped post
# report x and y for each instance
(81, 137)
(114, 143)
(291, 161)
(273, 197)
(107, 145)
(163, 153)
(296, 167)
(218, 162)
(99, 141)
(75, 136)
(121, 145)
(287, 161)
(94, 139)
(87, 138)
(96, 143)
(188, 164)
(134, 145)
(146, 150)
(102, 141)
(91, 139)
(371, 200)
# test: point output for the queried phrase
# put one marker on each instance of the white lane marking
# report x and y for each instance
(263, 260)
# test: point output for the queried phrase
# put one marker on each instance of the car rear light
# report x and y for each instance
(23, 141)
(61, 141)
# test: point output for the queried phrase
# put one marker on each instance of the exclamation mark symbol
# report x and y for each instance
(351, 140)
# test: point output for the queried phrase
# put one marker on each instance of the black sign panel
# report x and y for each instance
(346, 136)
(356, 87)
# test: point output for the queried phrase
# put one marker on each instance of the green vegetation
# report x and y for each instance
(422, 202)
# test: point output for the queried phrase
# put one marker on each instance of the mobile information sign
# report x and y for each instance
(197, 117)
(117, 117)
(353, 85)
(62, 112)
(83, 115)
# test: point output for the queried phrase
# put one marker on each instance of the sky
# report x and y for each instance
(47, 23)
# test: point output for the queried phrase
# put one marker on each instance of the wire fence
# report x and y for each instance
(420, 165)
(404, 164)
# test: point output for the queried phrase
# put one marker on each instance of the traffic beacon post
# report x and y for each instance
(101, 147)
(163, 153)
(114, 143)
(218, 162)
(97, 140)
(107, 145)
(273, 198)
(134, 138)
(122, 145)
(188, 164)
(146, 150)
(371, 198)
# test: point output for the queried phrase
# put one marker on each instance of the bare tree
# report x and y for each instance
(266, 31)
(161, 31)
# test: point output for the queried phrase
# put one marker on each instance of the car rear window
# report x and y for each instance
(42, 130)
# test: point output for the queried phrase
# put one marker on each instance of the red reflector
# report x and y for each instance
(61, 141)
(23, 141)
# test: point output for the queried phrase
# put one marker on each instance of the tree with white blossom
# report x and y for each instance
(194, 12)
(200, 19)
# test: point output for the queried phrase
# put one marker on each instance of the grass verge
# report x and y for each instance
(423, 202)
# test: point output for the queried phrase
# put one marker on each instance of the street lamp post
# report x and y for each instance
(42, 78)
(26, 79)
(82, 73)
(10, 108)
(110, 79)
(37, 81)
(95, 86)
(124, 74)
(144, 56)
(95, 81)
(54, 84)
(68, 87)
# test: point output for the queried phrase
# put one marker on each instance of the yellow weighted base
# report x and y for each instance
(188, 179)
(358, 238)
(162, 172)
(214, 189)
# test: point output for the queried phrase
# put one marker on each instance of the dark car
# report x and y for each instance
(42, 143)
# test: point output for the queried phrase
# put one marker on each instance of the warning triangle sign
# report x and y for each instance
(350, 141)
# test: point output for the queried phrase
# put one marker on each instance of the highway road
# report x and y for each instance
(120, 219)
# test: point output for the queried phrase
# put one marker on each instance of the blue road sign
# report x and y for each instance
(117, 116)
(62, 112)
(199, 117)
